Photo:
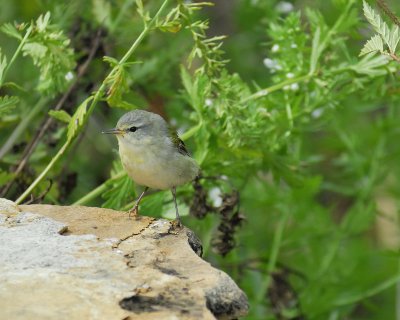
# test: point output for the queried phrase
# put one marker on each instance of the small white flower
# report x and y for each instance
(284, 7)
(215, 196)
(272, 64)
(317, 113)
(69, 76)
(286, 88)
(209, 102)
(269, 63)
(275, 48)
(289, 75)
(294, 86)
(293, 45)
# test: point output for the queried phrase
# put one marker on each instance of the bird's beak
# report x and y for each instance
(113, 131)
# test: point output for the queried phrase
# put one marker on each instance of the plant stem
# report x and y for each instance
(43, 173)
(273, 257)
(16, 53)
(98, 95)
(97, 191)
(276, 87)
(26, 121)
(45, 125)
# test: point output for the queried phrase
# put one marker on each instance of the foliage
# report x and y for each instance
(295, 130)
(49, 49)
(387, 36)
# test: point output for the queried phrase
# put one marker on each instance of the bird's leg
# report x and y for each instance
(135, 210)
(177, 221)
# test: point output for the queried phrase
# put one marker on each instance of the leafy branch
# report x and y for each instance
(82, 114)
(386, 38)
(49, 49)
(4, 66)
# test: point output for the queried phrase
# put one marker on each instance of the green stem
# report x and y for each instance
(276, 87)
(365, 294)
(273, 257)
(20, 129)
(98, 95)
(98, 191)
(43, 173)
(188, 134)
(22, 43)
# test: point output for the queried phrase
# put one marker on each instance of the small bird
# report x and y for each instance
(152, 154)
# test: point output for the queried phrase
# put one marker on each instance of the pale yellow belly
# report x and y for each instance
(156, 167)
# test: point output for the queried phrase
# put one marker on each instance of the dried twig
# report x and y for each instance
(386, 10)
(41, 196)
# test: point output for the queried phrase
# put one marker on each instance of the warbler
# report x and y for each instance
(152, 154)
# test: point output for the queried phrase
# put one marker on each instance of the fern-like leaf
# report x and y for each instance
(394, 38)
(50, 51)
(7, 103)
(374, 44)
(3, 65)
(390, 37)
(11, 30)
(60, 115)
(77, 119)
(120, 188)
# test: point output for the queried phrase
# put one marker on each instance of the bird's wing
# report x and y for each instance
(178, 143)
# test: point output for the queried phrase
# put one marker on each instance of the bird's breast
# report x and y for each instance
(157, 165)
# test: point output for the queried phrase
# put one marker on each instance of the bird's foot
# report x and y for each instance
(134, 212)
(176, 226)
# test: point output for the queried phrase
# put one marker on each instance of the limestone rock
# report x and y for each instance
(91, 263)
(8, 207)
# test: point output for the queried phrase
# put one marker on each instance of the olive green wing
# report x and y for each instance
(178, 142)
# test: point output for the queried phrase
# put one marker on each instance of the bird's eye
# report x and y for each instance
(132, 129)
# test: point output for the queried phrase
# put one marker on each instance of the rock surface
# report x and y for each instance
(91, 263)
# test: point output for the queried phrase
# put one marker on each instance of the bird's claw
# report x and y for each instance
(134, 212)
(176, 226)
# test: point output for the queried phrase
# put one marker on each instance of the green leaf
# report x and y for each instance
(152, 205)
(373, 45)
(5, 177)
(394, 38)
(11, 31)
(102, 12)
(7, 103)
(43, 21)
(77, 119)
(316, 50)
(50, 51)
(117, 84)
(371, 65)
(391, 38)
(120, 191)
(60, 115)
(3, 65)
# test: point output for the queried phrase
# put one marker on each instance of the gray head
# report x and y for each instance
(139, 126)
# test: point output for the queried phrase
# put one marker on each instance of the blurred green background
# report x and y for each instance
(315, 162)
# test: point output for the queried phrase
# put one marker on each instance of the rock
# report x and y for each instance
(7, 207)
(91, 263)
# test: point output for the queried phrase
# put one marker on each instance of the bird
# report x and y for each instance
(153, 155)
